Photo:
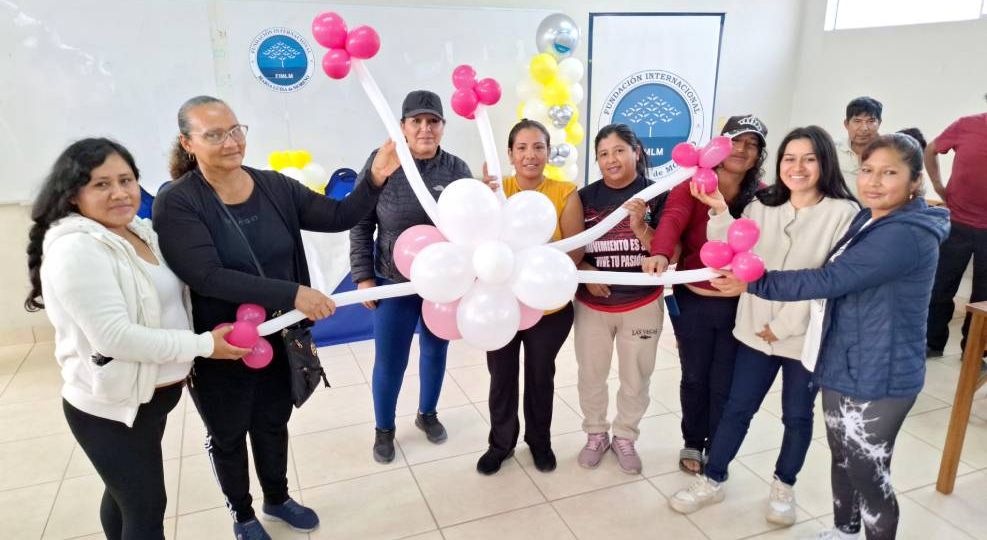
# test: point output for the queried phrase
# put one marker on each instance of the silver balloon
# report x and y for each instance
(560, 115)
(557, 35)
(555, 156)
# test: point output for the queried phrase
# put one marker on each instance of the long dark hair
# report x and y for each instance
(627, 135)
(181, 161)
(70, 173)
(831, 183)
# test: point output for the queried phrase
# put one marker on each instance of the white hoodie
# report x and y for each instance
(101, 300)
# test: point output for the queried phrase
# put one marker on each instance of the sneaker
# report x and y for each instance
(833, 534)
(250, 530)
(781, 504)
(435, 432)
(597, 444)
(489, 463)
(701, 493)
(544, 459)
(384, 445)
(296, 516)
(627, 457)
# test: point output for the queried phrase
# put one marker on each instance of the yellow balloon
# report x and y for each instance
(574, 133)
(277, 160)
(520, 110)
(555, 93)
(543, 68)
(553, 172)
(575, 114)
(299, 158)
(318, 187)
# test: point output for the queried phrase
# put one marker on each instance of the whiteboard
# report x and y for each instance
(121, 68)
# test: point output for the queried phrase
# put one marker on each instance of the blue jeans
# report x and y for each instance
(753, 374)
(395, 320)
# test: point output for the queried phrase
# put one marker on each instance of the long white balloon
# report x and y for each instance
(640, 278)
(401, 145)
(342, 299)
(489, 148)
(665, 184)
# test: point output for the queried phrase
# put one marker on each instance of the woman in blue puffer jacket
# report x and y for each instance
(868, 331)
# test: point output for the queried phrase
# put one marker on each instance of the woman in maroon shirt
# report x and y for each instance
(704, 324)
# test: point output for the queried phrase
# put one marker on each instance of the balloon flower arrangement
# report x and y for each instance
(487, 268)
(298, 164)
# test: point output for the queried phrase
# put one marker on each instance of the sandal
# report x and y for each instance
(689, 456)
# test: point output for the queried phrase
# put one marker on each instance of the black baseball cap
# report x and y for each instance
(748, 123)
(421, 101)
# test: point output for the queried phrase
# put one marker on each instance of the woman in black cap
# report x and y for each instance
(372, 264)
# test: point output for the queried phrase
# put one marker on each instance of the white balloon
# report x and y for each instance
(535, 109)
(469, 213)
(557, 134)
(571, 70)
(493, 262)
(293, 172)
(544, 278)
(442, 272)
(315, 174)
(576, 93)
(571, 171)
(529, 219)
(526, 88)
(573, 154)
(488, 316)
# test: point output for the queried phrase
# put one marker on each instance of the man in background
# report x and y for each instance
(863, 118)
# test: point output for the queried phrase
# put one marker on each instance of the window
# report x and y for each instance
(846, 14)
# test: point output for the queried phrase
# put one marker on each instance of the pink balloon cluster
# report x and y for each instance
(471, 93)
(329, 30)
(244, 335)
(686, 154)
(742, 236)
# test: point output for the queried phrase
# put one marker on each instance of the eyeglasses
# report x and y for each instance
(219, 136)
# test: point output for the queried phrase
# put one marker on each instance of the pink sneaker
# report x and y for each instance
(597, 444)
(627, 456)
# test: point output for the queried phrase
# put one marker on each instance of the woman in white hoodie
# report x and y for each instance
(121, 321)
(801, 216)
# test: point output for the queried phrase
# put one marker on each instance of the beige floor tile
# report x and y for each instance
(341, 370)
(632, 511)
(32, 419)
(799, 531)
(193, 433)
(564, 419)
(32, 385)
(474, 381)
(738, 516)
(569, 478)
(34, 461)
(199, 490)
(765, 433)
(925, 403)
(919, 523)
(567, 370)
(17, 336)
(812, 491)
(385, 505)
(431, 535)
(332, 408)
(408, 400)
(457, 493)
(941, 377)
(24, 511)
(43, 332)
(4, 380)
(963, 509)
(665, 388)
(467, 433)
(659, 444)
(168, 524)
(916, 463)
(41, 356)
(79, 464)
(333, 351)
(76, 509)
(338, 454)
(205, 525)
(541, 522)
(772, 404)
(11, 357)
(931, 427)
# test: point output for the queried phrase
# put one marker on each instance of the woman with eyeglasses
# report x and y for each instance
(233, 234)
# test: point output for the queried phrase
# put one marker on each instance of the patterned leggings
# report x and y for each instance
(861, 438)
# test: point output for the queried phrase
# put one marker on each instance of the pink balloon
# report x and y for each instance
(715, 151)
(336, 63)
(743, 234)
(362, 42)
(488, 91)
(329, 30)
(260, 354)
(463, 76)
(716, 254)
(464, 101)
(441, 319)
(529, 316)
(251, 313)
(413, 240)
(705, 180)
(747, 266)
(243, 335)
(685, 154)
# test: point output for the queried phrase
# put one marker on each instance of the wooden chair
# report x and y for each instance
(970, 380)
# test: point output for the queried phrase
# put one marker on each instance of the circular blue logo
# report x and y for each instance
(281, 59)
(662, 109)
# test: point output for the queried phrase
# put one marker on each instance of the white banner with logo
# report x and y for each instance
(657, 73)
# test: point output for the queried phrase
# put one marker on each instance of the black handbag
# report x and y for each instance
(305, 368)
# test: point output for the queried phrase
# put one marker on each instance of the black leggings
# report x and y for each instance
(129, 462)
(541, 345)
(861, 438)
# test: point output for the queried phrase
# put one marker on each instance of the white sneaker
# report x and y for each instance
(781, 504)
(701, 493)
(833, 534)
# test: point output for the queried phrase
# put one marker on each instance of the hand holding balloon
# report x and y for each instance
(729, 284)
(385, 163)
(221, 349)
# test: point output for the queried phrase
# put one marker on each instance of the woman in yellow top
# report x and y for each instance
(527, 146)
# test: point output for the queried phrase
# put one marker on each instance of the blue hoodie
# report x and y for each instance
(878, 290)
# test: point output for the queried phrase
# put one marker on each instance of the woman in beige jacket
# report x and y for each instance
(801, 217)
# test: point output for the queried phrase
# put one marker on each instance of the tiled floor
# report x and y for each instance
(49, 490)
